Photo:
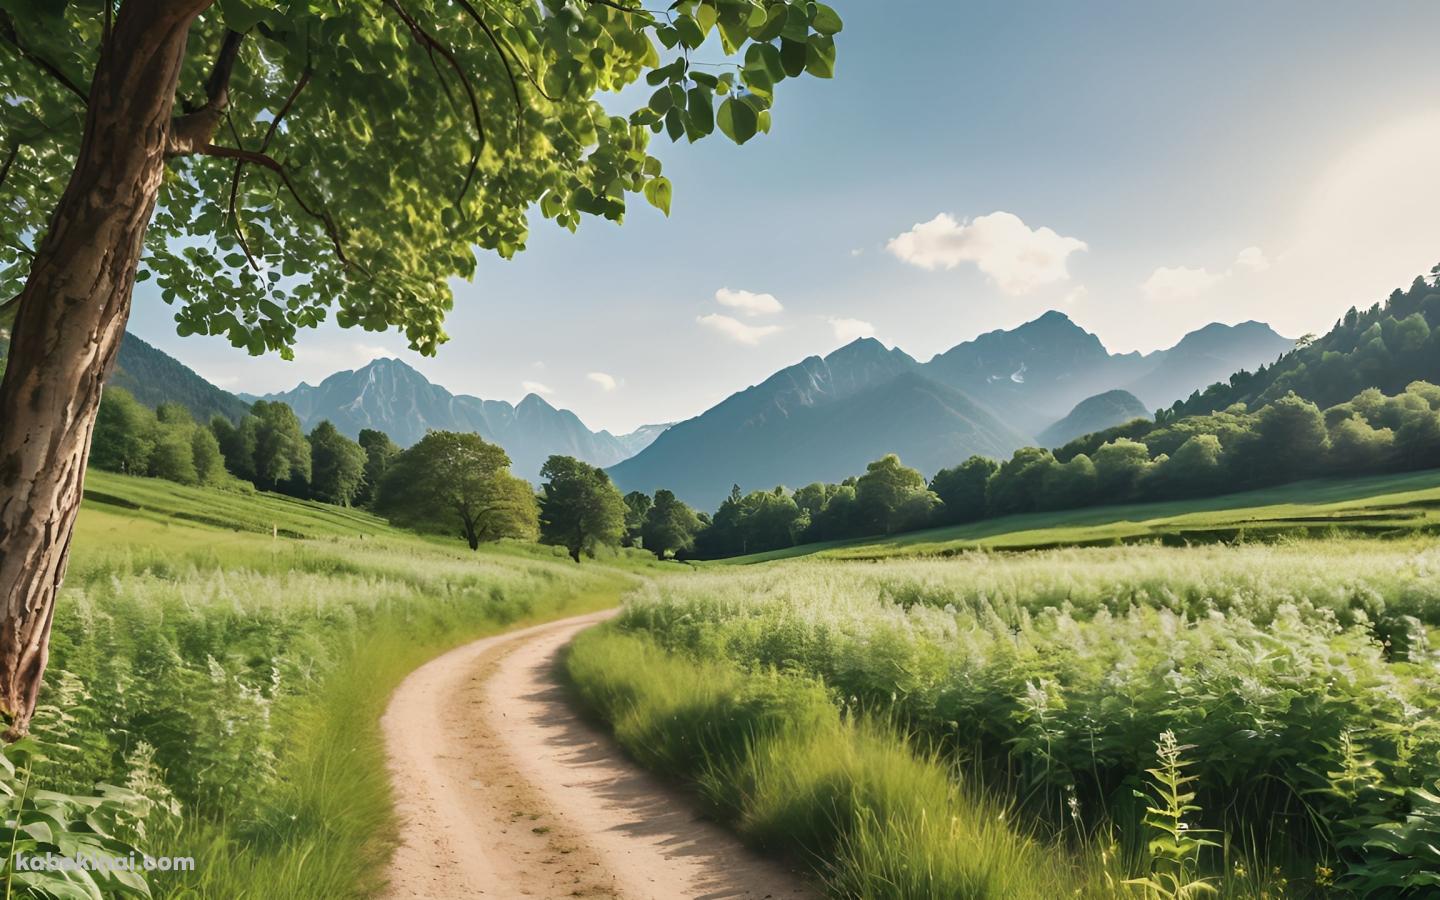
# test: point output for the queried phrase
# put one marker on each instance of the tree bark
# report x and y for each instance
(72, 315)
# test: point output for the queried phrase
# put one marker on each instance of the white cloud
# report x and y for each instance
(1253, 258)
(1075, 295)
(858, 251)
(370, 352)
(1017, 258)
(1168, 283)
(535, 387)
(848, 330)
(748, 303)
(737, 330)
(606, 381)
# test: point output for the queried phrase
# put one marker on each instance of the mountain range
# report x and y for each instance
(822, 419)
(825, 418)
(1039, 371)
(390, 396)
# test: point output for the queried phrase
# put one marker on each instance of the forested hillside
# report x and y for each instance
(1386, 346)
(155, 378)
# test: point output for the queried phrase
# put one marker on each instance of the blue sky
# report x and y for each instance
(1144, 167)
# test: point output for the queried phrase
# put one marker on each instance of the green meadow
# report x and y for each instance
(1159, 701)
(1189, 700)
(227, 657)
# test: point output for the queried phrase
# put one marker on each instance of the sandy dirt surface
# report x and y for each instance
(504, 792)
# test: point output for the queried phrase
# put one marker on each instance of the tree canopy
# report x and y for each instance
(348, 156)
(457, 484)
(337, 465)
(580, 509)
(670, 526)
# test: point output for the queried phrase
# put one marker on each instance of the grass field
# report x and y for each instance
(228, 656)
(1383, 505)
(1156, 707)
(958, 724)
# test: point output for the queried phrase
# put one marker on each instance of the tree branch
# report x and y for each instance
(194, 130)
(524, 69)
(234, 190)
(495, 42)
(264, 145)
(264, 161)
(11, 36)
(9, 161)
(429, 41)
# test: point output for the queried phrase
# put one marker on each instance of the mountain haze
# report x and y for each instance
(1094, 414)
(1036, 373)
(1206, 356)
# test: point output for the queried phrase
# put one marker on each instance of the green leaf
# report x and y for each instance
(706, 17)
(674, 123)
(690, 34)
(701, 109)
(820, 56)
(241, 15)
(774, 24)
(737, 120)
(826, 21)
(797, 22)
(733, 33)
(793, 55)
(657, 191)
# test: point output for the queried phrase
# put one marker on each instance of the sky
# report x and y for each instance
(1146, 168)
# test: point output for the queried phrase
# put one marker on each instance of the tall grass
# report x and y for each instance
(239, 677)
(1050, 676)
(874, 816)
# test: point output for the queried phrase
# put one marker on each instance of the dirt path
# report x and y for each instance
(504, 792)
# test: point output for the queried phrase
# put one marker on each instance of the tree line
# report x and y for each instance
(459, 484)
(267, 450)
(1236, 449)
(449, 483)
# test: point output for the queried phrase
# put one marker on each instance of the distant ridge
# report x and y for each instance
(1094, 414)
(820, 419)
(155, 377)
(825, 418)
(391, 396)
(1038, 371)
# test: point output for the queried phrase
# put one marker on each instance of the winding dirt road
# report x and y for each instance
(504, 792)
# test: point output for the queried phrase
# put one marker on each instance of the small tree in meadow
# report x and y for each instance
(580, 509)
(452, 482)
(670, 526)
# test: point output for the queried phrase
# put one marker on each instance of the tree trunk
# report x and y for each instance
(71, 318)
